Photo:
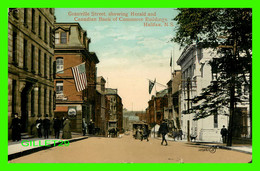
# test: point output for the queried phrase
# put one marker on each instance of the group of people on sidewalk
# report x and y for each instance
(45, 124)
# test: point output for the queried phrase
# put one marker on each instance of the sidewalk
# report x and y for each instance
(16, 149)
(244, 148)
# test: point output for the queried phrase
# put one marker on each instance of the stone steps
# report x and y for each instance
(26, 135)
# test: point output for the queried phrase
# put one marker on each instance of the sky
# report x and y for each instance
(129, 53)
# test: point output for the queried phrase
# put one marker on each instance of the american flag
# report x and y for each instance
(79, 74)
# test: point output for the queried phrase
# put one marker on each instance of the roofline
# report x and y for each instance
(69, 23)
(185, 51)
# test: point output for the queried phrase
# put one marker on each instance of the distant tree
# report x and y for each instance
(229, 32)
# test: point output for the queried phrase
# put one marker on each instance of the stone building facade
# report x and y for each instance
(30, 65)
(72, 49)
(196, 75)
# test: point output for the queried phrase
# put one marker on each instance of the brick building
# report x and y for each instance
(156, 114)
(100, 114)
(72, 49)
(172, 112)
(30, 65)
(142, 116)
(115, 117)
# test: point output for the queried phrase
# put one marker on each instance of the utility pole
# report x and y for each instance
(231, 91)
(232, 98)
(188, 105)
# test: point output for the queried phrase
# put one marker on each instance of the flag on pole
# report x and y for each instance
(151, 84)
(80, 78)
(171, 60)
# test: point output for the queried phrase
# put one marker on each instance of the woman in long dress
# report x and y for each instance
(66, 129)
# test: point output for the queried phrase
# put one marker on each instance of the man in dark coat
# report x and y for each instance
(56, 127)
(180, 134)
(224, 133)
(39, 126)
(145, 133)
(163, 130)
(16, 128)
(46, 127)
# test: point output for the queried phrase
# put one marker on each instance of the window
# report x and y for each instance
(45, 32)
(50, 102)
(14, 12)
(25, 17)
(32, 59)
(45, 101)
(201, 69)
(59, 65)
(59, 87)
(14, 96)
(39, 102)
(50, 66)
(25, 54)
(32, 103)
(40, 26)
(45, 65)
(57, 38)
(51, 10)
(33, 20)
(63, 37)
(215, 120)
(50, 37)
(39, 62)
(14, 53)
(246, 89)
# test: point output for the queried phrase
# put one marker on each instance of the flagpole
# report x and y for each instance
(154, 106)
(171, 64)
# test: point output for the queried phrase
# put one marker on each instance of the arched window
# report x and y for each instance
(59, 65)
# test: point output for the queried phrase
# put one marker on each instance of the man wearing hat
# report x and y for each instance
(163, 130)
(46, 127)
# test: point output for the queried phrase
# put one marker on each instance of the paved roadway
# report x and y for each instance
(129, 150)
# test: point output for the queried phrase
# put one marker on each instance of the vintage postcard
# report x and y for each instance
(130, 85)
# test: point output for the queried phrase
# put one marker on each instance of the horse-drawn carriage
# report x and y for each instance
(112, 129)
(138, 129)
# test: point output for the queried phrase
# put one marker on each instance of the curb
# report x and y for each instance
(224, 147)
(36, 149)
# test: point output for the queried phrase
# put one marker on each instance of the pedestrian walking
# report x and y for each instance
(145, 133)
(163, 130)
(174, 134)
(56, 127)
(16, 128)
(224, 133)
(46, 126)
(39, 126)
(66, 129)
(84, 126)
(180, 134)
(91, 127)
